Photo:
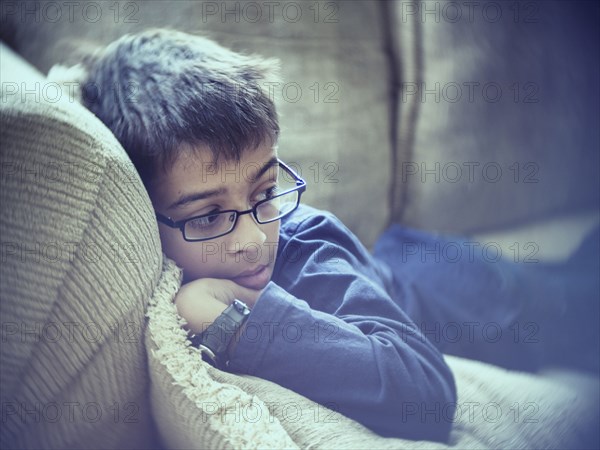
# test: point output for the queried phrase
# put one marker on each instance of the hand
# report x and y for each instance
(201, 301)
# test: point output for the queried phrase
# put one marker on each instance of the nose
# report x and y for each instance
(247, 237)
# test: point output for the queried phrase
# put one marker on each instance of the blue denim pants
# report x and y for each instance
(472, 301)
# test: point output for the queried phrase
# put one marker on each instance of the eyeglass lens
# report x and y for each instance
(218, 224)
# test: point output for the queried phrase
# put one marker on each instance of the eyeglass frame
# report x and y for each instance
(300, 188)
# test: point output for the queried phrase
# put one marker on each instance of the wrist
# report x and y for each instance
(198, 315)
(216, 343)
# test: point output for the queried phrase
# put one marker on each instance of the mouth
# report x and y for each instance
(254, 279)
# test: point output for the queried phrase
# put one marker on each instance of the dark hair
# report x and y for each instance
(160, 90)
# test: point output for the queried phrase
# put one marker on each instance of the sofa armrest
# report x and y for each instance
(80, 259)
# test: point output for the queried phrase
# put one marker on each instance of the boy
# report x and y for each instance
(318, 313)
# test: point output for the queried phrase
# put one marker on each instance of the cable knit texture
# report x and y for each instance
(80, 259)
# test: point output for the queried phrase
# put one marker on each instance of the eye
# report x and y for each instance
(208, 221)
(270, 192)
(201, 222)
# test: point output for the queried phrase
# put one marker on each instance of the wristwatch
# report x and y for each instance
(214, 341)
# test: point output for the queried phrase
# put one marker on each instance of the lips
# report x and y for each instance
(251, 271)
(256, 278)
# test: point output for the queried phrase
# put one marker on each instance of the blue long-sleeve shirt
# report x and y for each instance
(328, 326)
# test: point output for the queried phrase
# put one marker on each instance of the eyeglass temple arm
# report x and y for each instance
(167, 220)
(299, 180)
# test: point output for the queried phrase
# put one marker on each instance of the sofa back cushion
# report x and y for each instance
(499, 111)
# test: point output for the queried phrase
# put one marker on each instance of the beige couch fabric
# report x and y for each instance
(498, 112)
(80, 258)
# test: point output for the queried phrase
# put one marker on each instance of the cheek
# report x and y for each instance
(208, 259)
(187, 255)
(172, 243)
(272, 232)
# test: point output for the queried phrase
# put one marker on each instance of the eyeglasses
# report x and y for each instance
(283, 199)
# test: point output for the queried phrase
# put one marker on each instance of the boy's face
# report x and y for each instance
(209, 188)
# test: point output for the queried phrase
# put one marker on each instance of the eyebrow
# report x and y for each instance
(270, 163)
(203, 195)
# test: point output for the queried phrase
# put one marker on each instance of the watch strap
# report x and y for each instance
(214, 341)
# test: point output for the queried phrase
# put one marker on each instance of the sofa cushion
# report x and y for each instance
(80, 258)
(333, 101)
(198, 406)
(499, 112)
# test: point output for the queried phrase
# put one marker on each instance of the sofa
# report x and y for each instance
(467, 119)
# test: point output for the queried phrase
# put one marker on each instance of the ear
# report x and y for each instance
(70, 80)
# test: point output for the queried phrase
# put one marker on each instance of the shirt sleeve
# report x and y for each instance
(326, 328)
